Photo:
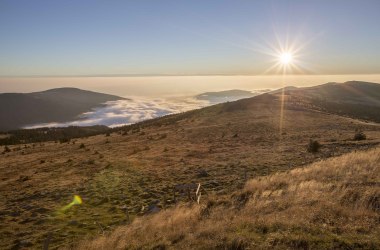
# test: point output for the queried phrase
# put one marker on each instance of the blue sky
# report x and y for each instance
(186, 37)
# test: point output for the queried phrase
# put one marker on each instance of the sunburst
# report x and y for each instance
(286, 58)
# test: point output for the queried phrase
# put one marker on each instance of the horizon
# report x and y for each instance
(173, 86)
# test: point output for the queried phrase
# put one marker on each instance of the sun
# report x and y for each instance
(286, 58)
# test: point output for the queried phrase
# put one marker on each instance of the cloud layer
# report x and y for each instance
(123, 112)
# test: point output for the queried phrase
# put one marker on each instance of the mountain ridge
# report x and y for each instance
(54, 105)
(123, 172)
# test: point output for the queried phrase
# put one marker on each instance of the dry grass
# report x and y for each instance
(131, 169)
(331, 204)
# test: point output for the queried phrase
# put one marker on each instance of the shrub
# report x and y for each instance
(81, 145)
(359, 136)
(313, 146)
(42, 161)
(64, 140)
(137, 130)
(90, 161)
(108, 134)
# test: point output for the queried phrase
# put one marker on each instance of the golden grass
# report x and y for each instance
(330, 204)
(134, 168)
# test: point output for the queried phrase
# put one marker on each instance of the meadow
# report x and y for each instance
(122, 174)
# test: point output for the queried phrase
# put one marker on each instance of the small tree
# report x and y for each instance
(313, 146)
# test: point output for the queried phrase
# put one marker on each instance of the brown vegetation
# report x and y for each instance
(133, 170)
(331, 204)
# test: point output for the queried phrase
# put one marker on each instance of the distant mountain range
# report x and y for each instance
(228, 95)
(354, 98)
(62, 104)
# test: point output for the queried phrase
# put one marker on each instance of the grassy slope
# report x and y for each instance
(132, 169)
(329, 204)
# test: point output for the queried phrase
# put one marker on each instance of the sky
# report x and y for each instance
(200, 37)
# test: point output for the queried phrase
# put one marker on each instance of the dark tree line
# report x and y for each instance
(50, 134)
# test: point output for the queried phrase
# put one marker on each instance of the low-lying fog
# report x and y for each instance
(122, 112)
(159, 86)
(154, 96)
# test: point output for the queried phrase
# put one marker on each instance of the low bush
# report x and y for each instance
(359, 136)
(64, 140)
(6, 149)
(313, 146)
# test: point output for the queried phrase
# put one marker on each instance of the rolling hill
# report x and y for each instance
(354, 98)
(56, 105)
(123, 174)
(224, 96)
(355, 92)
(331, 204)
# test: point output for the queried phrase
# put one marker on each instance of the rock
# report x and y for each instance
(102, 201)
(41, 210)
(20, 244)
(40, 222)
(27, 220)
(202, 173)
(112, 209)
(23, 178)
(153, 208)
(73, 223)
(26, 207)
(15, 214)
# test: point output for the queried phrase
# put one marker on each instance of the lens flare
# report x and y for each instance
(285, 58)
(77, 200)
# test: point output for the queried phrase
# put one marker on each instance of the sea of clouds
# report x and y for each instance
(136, 109)
(123, 112)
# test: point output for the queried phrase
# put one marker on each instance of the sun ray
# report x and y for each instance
(286, 60)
